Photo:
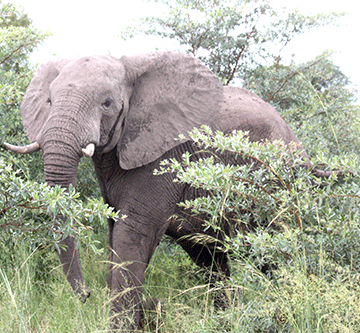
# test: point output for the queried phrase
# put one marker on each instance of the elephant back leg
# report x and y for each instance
(188, 233)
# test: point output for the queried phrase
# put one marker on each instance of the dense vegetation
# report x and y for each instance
(296, 247)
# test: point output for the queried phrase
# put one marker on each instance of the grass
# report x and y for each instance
(297, 302)
(32, 305)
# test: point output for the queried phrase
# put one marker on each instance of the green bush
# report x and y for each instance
(294, 245)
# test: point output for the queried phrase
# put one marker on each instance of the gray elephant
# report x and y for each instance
(125, 114)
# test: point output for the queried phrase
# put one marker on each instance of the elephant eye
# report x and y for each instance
(49, 101)
(107, 103)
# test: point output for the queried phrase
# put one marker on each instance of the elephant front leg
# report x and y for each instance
(131, 251)
(126, 288)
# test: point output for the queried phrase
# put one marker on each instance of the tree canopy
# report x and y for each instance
(230, 36)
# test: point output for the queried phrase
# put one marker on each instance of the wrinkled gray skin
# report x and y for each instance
(131, 109)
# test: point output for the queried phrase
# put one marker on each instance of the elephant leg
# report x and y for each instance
(150, 315)
(216, 264)
(70, 260)
(208, 256)
(111, 224)
(132, 248)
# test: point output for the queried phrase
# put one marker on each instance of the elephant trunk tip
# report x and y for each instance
(84, 295)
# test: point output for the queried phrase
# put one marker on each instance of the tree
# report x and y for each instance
(316, 98)
(13, 17)
(18, 38)
(230, 36)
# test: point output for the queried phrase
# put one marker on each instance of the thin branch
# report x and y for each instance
(272, 94)
(25, 44)
(232, 74)
(24, 205)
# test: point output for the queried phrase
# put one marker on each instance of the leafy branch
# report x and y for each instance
(29, 207)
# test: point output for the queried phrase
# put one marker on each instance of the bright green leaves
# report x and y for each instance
(272, 193)
(26, 208)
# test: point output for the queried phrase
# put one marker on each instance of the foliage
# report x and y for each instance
(31, 302)
(18, 39)
(230, 36)
(294, 239)
(316, 98)
(278, 83)
(12, 16)
(27, 207)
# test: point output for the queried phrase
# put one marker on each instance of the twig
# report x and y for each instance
(232, 74)
(272, 94)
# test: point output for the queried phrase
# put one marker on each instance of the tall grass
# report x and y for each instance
(32, 300)
(292, 301)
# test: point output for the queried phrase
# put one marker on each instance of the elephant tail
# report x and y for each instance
(326, 174)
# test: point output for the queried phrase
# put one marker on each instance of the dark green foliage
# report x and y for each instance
(18, 39)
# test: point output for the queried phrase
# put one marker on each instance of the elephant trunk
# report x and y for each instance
(62, 153)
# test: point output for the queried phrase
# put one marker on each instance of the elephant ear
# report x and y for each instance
(172, 93)
(35, 106)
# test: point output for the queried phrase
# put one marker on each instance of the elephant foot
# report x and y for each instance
(82, 292)
(151, 314)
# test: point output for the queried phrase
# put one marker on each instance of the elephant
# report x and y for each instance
(125, 113)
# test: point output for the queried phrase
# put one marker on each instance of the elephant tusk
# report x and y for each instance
(89, 150)
(29, 149)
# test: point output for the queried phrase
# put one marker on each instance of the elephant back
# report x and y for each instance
(244, 110)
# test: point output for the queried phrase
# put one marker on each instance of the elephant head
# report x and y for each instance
(92, 105)
(137, 104)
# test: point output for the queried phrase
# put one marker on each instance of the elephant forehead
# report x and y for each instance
(92, 70)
